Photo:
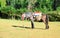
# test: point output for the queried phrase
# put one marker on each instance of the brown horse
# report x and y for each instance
(36, 16)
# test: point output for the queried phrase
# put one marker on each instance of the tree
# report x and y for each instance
(30, 4)
(3, 3)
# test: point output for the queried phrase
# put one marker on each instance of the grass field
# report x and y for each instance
(15, 29)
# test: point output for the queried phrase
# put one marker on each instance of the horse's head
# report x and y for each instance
(23, 16)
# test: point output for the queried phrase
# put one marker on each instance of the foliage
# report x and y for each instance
(54, 16)
(8, 10)
(58, 8)
(3, 3)
(5, 9)
(17, 7)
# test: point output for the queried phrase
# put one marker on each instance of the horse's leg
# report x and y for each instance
(32, 23)
(45, 20)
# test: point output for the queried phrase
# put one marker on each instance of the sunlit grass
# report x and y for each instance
(7, 29)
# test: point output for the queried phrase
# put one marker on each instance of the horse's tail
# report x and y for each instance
(47, 19)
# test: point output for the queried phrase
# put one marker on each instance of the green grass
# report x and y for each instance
(8, 31)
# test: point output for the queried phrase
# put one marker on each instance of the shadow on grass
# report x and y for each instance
(27, 27)
(21, 27)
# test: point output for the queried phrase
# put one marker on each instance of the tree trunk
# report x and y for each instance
(29, 6)
(13, 17)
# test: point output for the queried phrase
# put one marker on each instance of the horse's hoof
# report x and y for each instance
(47, 27)
(32, 28)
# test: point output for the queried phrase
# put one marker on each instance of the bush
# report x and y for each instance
(58, 8)
(54, 16)
(21, 10)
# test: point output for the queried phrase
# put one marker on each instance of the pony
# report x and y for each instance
(36, 16)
